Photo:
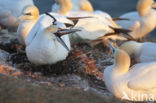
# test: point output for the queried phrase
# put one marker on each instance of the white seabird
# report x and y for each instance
(27, 20)
(46, 42)
(136, 83)
(10, 10)
(74, 5)
(92, 28)
(143, 52)
(142, 22)
(30, 16)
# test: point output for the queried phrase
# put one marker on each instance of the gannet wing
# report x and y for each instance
(135, 26)
(147, 52)
(127, 24)
(143, 76)
(32, 33)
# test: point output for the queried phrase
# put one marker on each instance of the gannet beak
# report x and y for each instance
(154, 5)
(62, 32)
(20, 18)
(59, 39)
(112, 48)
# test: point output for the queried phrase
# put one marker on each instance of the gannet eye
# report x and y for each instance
(28, 14)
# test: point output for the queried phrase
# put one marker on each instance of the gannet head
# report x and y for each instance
(121, 60)
(65, 6)
(144, 6)
(86, 6)
(30, 12)
(131, 47)
(58, 32)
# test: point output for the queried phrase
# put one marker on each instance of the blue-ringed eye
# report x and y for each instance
(27, 14)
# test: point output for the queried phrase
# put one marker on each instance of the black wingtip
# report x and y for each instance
(120, 30)
(118, 19)
(123, 31)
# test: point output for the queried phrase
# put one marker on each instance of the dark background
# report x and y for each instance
(114, 7)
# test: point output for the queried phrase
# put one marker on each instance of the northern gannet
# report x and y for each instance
(142, 22)
(27, 20)
(30, 16)
(93, 28)
(74, 5)
(47, 43)
(10, 10)
(136, 83)
(65, 6)
(143, 52)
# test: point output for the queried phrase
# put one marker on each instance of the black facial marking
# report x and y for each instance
(51, 17)
(27, 14)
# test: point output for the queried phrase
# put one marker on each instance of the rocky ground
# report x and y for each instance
(14, 90)
(81, 71)
(77, 79)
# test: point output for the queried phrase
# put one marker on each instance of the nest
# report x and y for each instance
(86, 62)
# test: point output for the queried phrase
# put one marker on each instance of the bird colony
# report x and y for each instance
(47, 40)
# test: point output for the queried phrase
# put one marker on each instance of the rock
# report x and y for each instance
(3, 56)
(13, 90)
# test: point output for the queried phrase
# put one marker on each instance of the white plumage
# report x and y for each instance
(143, 52)
(136, 83)
(10, 10)
(74, 5)
(142, 22)
(91, 28)
(41, 44)
(29, 17)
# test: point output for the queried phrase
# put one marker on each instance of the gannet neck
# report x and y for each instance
(144, 6)
(86, 6)
(122, 61)
(66, 6)
(132, 47)
(51, 29)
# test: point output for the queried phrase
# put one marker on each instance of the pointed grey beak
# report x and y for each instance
(111, 47)
(60, 40)
(62, 32)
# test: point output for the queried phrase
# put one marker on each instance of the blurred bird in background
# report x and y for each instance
(10, 10)
(142, 22)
